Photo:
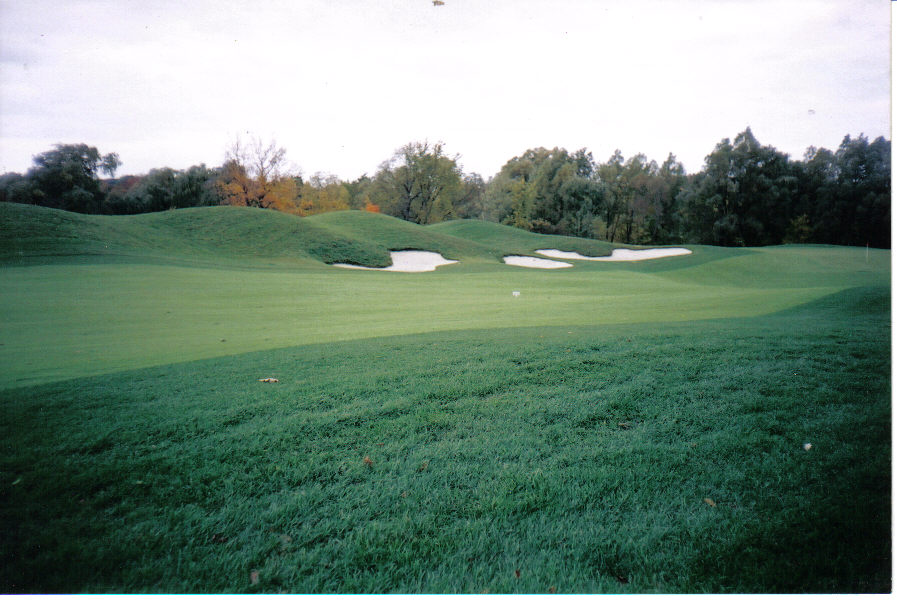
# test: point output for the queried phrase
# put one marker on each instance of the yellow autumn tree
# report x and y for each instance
(322, 194)
(254, 175)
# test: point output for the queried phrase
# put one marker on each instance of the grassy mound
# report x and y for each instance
(33, 234)
(511, 240)
(397, 234)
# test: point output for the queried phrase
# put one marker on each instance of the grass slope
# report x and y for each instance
(32, 234)
(395, 234)
(227, 235)
(517, 241)
(642, 458)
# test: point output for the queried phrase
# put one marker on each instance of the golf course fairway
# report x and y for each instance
(614, 427)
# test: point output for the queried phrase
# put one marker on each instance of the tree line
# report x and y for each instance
(746, 194)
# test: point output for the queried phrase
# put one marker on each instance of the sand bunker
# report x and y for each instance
(535, 262)
(619, 254)
(408, 261)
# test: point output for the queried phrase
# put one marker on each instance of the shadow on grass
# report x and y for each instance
(840, 544)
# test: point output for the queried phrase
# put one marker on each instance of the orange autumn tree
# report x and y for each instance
(254, 175)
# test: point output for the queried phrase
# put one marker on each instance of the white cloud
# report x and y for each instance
(342, 84)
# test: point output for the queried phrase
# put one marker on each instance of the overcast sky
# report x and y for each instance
(342, 83)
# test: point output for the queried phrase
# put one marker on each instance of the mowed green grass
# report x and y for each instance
(160, 288)
(616, 428)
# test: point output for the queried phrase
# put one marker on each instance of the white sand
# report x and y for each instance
(535, 262)
(408, 261)
(619, 254)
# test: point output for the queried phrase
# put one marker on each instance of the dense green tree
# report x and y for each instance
(665, 226)
(750, 194)
(816, 176)
(709, 202)
(66, 177)
(359, 192)
(844, 196)
(641, 188)
(471, 203)
(155, 192)
(765, 187)
(861, 200)
(548, 191)
(581, 199)
(15, 187)
(552, 171)
(610, 174)
(743, 196)
(165, 188)
(698, 207)
(509, 198)
(522, 199)
(196, 187)
(640, 199)
(110, 163)
(746, 193)
(118, 191)
(420, 183)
